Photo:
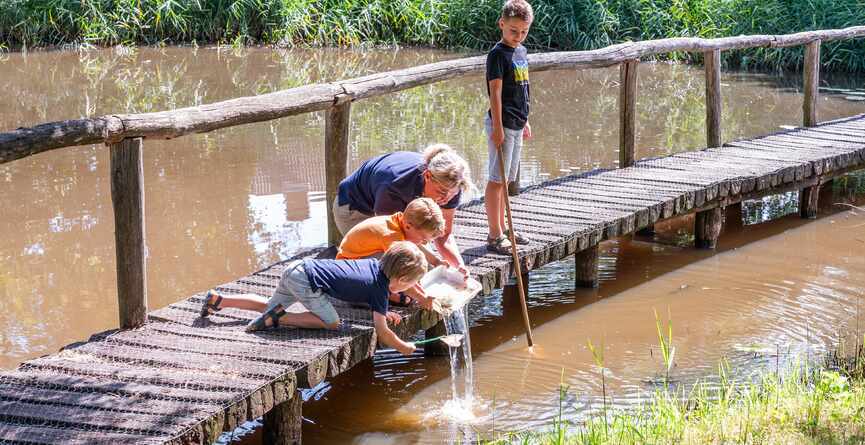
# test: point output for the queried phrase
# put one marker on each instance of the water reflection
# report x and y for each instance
(225, 203)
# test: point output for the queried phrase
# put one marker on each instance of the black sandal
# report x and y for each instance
(500, 245)
(210, 307)
(519, 238)
(260, 323)
(404, 300)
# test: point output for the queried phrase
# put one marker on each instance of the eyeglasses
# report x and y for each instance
(443, 189)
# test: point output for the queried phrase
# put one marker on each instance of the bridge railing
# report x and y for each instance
(124, 133)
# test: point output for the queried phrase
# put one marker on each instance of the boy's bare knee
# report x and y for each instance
(333, 325)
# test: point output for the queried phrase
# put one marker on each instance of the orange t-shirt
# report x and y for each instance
(371, 236)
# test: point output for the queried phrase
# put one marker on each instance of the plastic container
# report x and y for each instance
(446, 286)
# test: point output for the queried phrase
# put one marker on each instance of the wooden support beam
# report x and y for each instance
(511, 290)
(812, 83)
(712, 62)
(707, 228)
(127, 197)
(733, 217)
(808, 201)
(586, 267)
(646, 232)
(627, 112)
(283, 424)
(436, 349)
(336, 140)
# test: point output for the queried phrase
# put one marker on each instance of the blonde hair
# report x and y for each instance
(403, 260)
(520, 9)
(447, 167)
(426, 215)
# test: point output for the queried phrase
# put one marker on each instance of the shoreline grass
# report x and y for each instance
(803, 405)
(559, 24)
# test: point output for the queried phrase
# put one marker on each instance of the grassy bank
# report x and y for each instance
(559, 24)
(801, 406)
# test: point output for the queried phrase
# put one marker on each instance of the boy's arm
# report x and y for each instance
(498, 135)
(386, 336)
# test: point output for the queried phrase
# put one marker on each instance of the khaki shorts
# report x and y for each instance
(294, 287)
(346, 218)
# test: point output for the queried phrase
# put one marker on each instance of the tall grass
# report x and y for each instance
(559, 24)
(803, 405)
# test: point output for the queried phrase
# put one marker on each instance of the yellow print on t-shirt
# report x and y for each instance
(521, 72)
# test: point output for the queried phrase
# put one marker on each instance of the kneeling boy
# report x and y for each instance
(368, 281)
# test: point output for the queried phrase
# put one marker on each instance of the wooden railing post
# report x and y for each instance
(812, 83)
(712, 62)
(627, 112)
(283, 424)
(337, 121)
(127, 196)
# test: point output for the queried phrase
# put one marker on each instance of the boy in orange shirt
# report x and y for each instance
(421, 222)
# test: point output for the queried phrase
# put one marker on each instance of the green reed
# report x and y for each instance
(559, 24)
(802, 404)
(665, 343)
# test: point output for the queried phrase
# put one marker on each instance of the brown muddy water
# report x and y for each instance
(226, 203)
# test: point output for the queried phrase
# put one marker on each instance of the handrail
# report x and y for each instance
(24, 142)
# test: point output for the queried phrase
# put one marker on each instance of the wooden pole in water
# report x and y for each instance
(127, 196)
(627, 112)
(811, 83)
(712, 62)
(336, 126)
(517, 270)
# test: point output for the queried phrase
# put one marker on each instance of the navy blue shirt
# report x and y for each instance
(385, 184)
(355, 281)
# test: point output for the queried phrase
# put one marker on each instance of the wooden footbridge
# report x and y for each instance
(171, 377)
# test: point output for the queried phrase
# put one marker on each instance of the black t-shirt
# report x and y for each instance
(512, 66)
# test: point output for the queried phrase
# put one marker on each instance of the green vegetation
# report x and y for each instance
(802, 407)
(559, 24)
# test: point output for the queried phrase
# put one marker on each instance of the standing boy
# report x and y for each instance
(507, 120)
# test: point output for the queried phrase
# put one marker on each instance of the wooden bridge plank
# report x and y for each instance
(92, 419)
(76, 383)
(78, 363)
(189, 360)
(35, 434)
(12, 390)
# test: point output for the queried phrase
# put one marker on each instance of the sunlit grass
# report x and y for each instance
(559, 24)
(803, 406)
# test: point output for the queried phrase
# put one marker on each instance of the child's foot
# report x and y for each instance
(518, 237)
(499, 245)
(267, 319)
(211, 303)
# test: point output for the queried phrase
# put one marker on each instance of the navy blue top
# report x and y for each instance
(355, 281)
(385, 184)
